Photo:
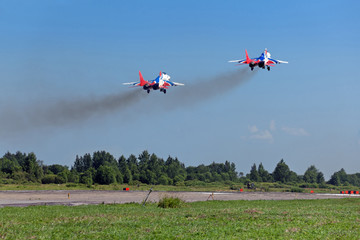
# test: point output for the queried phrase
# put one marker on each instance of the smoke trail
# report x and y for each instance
(64, 111)
(201, 90)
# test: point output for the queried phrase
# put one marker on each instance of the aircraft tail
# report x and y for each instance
(142, 81)
(247, 56)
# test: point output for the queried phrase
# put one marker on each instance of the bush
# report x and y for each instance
(170, 202)
(309, 185)
(194, 183)
(71, 185)
(323, 185)
(296, 189)
(47, 179)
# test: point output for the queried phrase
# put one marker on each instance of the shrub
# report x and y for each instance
(296, 189)
(71, 185)
(323, 185)
(194, 183)
(170, 202)
(47, 179)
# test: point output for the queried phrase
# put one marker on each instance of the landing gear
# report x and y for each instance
(252, 68)
(164, 91)
(148, 91)
(268, 68)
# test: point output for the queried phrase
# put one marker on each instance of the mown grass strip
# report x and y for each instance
(295, 219)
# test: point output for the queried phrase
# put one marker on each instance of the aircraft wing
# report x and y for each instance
(132, 83)
(174, 83)
(277, 61)
(238, 61)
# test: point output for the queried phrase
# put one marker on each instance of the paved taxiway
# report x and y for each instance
(80, 197)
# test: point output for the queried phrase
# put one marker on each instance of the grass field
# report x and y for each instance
(295, 219)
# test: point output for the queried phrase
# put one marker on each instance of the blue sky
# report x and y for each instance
(305, 112)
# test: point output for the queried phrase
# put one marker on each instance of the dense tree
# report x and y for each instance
(87, 177)
(320, 178)
(9, 166)
(133, 167)
(313, 175)
(56, 168)
(103, 158)
(254, 175)
(232, 172)
(83, 163)
(101, 167)
(263, 174)
(32, 168)
(338, 178)
(310, 175)
(281, 172)
(105, 175)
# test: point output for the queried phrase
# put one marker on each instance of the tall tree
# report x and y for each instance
(263, 174)
(254, 175)
(310, 175)
(133, 167)
(101, 158)
(338, 178)
(281, 172)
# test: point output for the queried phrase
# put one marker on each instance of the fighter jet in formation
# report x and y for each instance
(162, 82)
(263, 61)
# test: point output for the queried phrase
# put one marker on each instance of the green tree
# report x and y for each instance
(320, 178)
(310, 175)
(9, 166)
(263, 174)
(133, 167)
(281, 172)
(173, 168)
(232, 172)
(338, 178)
(127, 176)
(87, 177)
(56, 168)
(254, 175)
(103, 158)
(32, 167)
(105, 175)
(73, 176)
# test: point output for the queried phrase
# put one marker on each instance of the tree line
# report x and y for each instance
(103, 168)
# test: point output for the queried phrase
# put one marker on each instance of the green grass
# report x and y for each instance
(295, 219)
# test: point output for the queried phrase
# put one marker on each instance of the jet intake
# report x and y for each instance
(155, 86)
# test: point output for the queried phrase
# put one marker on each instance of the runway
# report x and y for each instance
(86, 197)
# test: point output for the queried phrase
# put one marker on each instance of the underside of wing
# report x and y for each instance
(174, 83)
(132, 83)
(277, 61)
(238, 61)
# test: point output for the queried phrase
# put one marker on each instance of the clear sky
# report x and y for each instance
(61, 55)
